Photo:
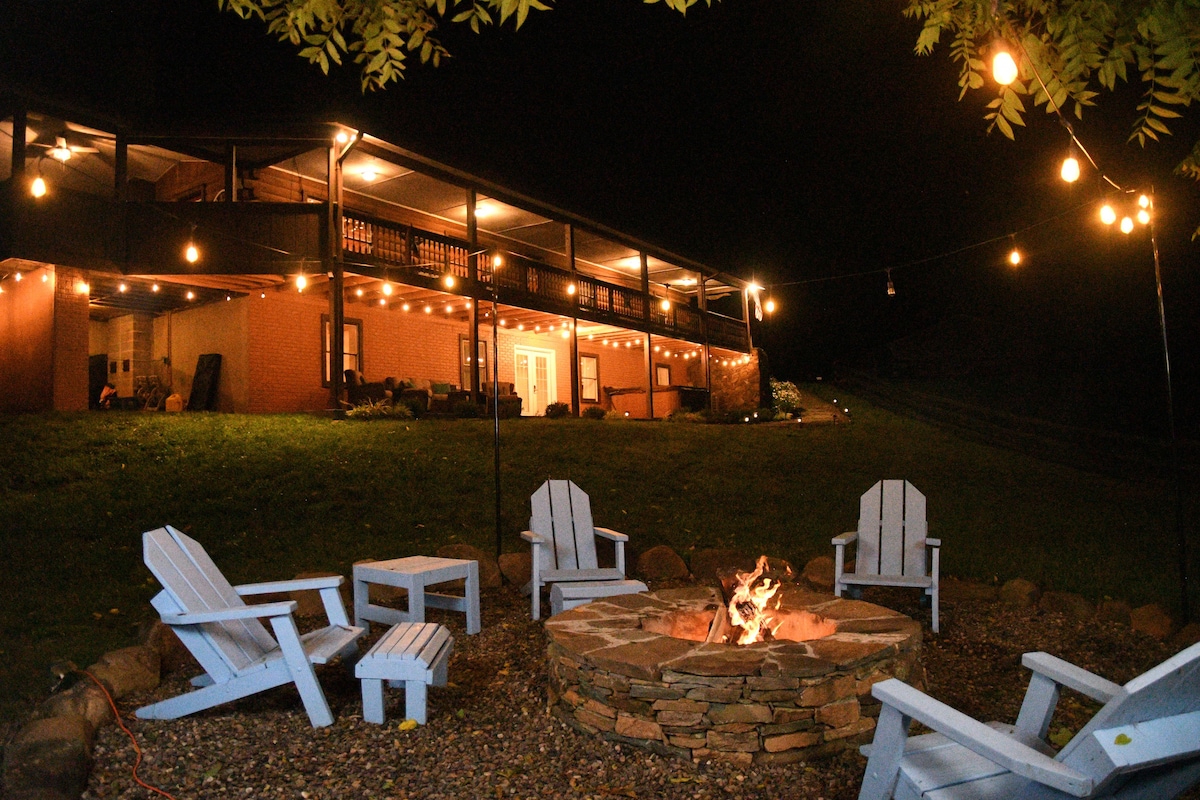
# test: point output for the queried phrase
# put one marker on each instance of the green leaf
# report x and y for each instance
(1122, 739)
(1061, 737)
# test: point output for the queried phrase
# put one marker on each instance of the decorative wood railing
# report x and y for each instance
(524, 282)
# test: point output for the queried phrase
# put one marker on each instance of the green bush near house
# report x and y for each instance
(382, 409)
(594, 412)
(785, 397)
(558, 411)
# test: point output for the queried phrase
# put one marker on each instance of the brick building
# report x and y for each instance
(324, 228)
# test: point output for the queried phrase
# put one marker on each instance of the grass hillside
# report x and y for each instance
(271, 496)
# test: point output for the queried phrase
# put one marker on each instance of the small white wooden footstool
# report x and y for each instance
(415, 653)
(568, 595)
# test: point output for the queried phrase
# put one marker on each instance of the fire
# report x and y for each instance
(748, 605)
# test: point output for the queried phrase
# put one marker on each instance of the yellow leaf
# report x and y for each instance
(1122, 739)
(407, 725)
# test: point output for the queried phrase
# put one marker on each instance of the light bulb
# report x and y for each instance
(570, 288)
(769, 306)
(1143, 201)
(122, 288)
(1014, 257)
(1004, 69)
(301, 282)
(387, 289)
(358, 292)
(192, 254)
(497, 261)
(1126, 224)
(38, 187)
(18, 277)
(1070, 169)
(154, 288)
(191, 295)
(1107, 215)
(368, 174)
(1143, 216)
(449, 281)
(665, 304)
(405, 307)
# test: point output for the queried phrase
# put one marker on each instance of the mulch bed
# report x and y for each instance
(489, 735)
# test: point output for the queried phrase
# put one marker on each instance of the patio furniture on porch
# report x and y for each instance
(892, 543)
(509, 400)
(564, 549)
(416, 654)
(359, 392)
(239, 656)
(1143, 744)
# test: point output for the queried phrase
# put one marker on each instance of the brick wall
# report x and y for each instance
(70, 360)
(735, 385)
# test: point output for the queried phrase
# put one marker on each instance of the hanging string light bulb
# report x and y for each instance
(1014, 257)
(38, 187)
(891, 287)
(192, 253)
(1070, 167)
(1108, 215)
(1126, 225)
(1004, 68)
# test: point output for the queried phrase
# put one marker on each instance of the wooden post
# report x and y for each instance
(746, 316)
(473, 260)
(334, 265)
(18, 147)
(121, 169)
(646, 301)
(707, 354)
(570, 243)
(231, 174)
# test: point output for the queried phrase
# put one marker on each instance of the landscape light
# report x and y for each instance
(1004, 68)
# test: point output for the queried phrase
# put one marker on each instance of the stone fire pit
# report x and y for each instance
(615, 671)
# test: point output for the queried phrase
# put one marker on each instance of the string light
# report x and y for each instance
(769, 306)
(1004, 68)
(891, 287)
(301, 282)
(387, 289)
(448, 281)
(38, 187)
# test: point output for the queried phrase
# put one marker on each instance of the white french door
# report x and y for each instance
(535, 379)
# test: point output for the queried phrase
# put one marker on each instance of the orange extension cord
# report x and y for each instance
(128, 733)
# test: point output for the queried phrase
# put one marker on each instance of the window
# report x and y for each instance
(352, 335)
(464, 361)
(662, 374)
(589, 379)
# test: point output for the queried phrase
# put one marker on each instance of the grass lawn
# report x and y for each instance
(271, 496)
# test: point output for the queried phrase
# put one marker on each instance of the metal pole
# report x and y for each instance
(496, 393)
(1180, 533)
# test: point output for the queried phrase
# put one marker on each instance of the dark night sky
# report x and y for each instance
(785, 139)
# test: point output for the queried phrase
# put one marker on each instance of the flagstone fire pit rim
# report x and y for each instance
(609, 633)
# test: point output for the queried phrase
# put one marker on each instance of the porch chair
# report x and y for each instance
(1144, 744)
(891, 544)
(564, 550)
(239, 656)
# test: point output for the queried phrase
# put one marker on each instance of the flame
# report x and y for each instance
(748, 605)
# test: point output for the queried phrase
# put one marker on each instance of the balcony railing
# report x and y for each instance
(527, 283)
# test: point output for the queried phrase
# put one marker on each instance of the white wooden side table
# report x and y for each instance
(416, 574)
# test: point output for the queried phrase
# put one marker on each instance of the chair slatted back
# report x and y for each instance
(192, 583)
(562, 512)
(1171, 689)
(891, 530)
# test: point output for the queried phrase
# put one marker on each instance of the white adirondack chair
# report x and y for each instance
(1144, 744)
(239, 656)
(891, 543)
(564, 549)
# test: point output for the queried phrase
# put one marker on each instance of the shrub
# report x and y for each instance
(785, 396)
(558, 411)
(683, 415)
(594, 412)
(382, 409)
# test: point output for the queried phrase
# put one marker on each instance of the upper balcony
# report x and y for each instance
(258, 211)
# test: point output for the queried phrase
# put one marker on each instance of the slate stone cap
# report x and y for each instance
(609, 635)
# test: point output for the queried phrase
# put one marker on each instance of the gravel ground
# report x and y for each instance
(489, 735)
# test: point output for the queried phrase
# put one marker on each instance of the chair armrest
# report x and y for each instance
(997, 747)
(845, 539)
(281, 609)
(1064, 673)
(299, 584)
(533, 538)
(933, 542)
(611, 535)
